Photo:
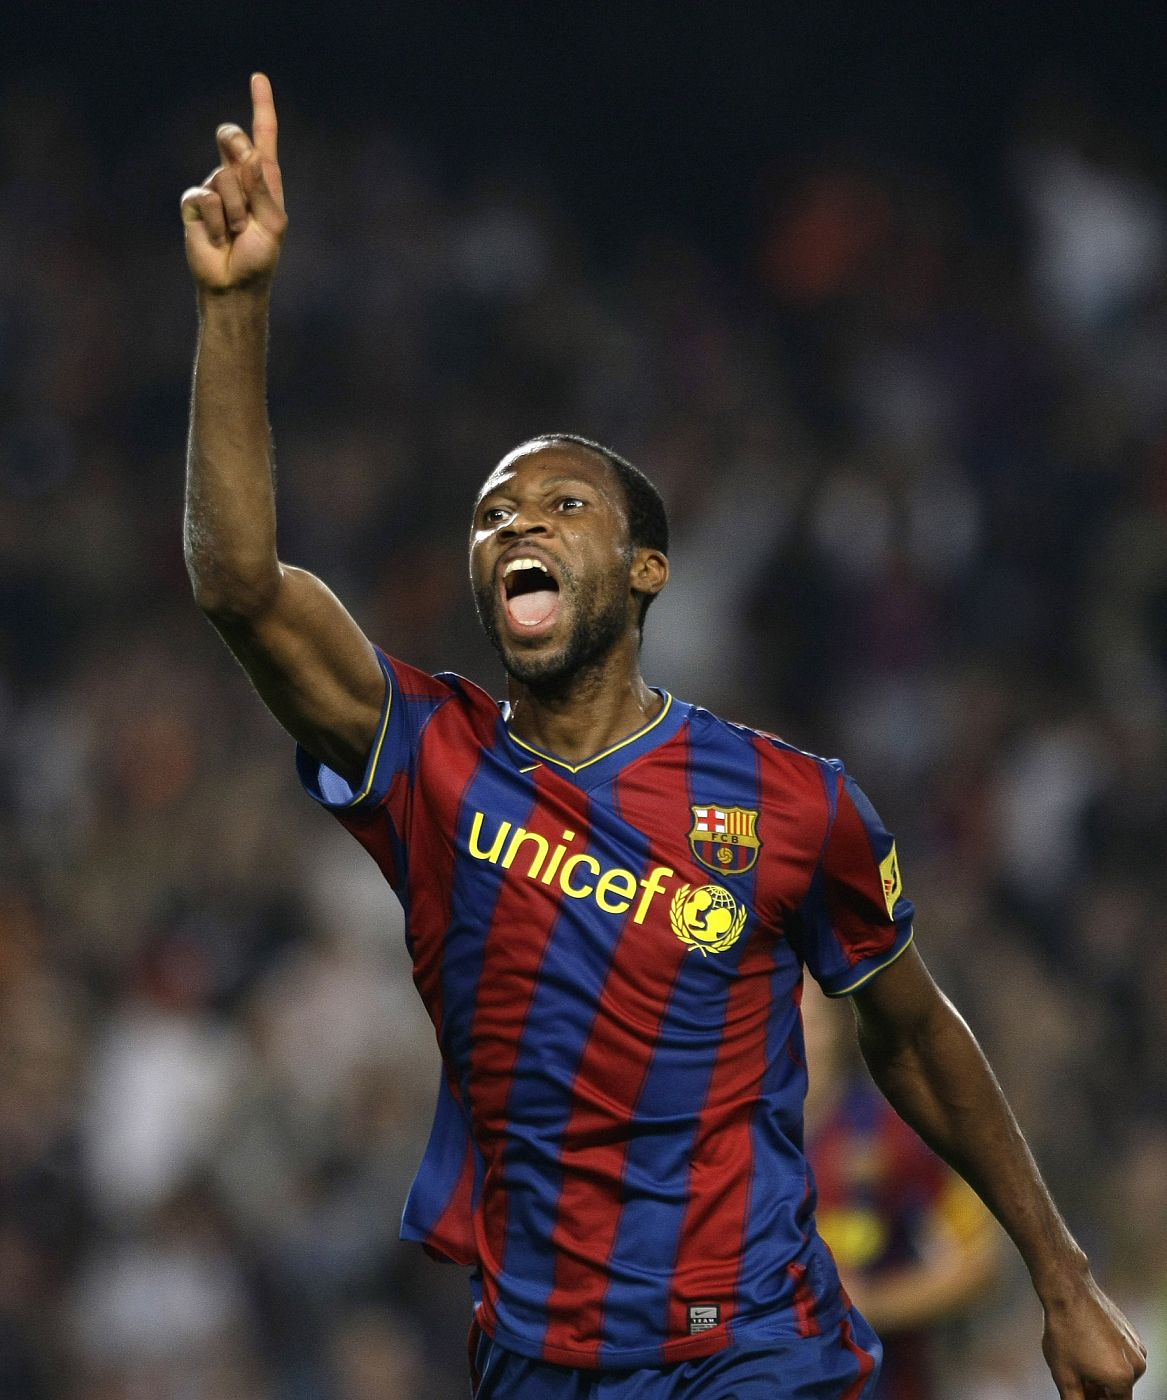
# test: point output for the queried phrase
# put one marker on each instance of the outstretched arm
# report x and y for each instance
(314, 668)
(926, 1061)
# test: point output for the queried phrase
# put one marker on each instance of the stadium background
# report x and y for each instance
(878, 299)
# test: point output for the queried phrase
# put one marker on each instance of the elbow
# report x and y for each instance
(234, 594)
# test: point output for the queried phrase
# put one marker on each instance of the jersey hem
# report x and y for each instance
(610, 1359)
(759, 1330)
(435, 1248)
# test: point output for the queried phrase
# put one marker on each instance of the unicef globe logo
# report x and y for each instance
(708, 918)
(709, 912)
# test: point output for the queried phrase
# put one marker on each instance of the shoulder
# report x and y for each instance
(777, 761)
(415, 687)
(467, 693)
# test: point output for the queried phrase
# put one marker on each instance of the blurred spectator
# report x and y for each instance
(164, 1310)
(375, 1358)
(1099, 227)
(163, 1073)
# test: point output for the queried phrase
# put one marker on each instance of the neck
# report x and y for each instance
(576, 718)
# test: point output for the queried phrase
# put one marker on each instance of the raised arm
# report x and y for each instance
(314, 668)
(924, 1058)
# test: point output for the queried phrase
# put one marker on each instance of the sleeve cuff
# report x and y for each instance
(327, 787)
(854, 977)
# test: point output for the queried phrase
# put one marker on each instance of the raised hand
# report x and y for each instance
(235, 220)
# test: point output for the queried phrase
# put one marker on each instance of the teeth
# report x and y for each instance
(516, 564)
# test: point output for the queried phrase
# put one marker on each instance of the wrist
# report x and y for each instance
(1058, 1280)
(252, 299)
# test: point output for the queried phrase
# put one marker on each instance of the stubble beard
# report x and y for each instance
(599, 625)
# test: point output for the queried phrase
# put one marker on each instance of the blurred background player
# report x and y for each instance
(914, 1245)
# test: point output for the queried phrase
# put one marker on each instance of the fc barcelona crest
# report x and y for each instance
(725, 839)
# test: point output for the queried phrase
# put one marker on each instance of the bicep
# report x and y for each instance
(899, 1003)
(313, 667)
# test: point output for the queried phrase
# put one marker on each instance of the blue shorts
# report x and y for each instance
(842, 1365)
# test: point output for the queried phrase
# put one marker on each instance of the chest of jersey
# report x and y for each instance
(642, 892)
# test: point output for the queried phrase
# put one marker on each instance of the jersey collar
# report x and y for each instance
(603, 766)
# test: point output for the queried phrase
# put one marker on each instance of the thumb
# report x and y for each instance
(198, 239)
(1069, 1388)
(202, 219)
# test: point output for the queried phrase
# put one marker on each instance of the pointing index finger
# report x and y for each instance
(264, 126)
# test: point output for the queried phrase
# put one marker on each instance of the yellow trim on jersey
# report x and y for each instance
(867, 976)
(578, 767)
(381, 733)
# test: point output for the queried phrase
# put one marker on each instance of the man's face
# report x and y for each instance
(550, 561)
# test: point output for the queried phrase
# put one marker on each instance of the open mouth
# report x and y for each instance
(530, 594)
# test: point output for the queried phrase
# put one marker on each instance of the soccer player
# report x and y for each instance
(610, 898)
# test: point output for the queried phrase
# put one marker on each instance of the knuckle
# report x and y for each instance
(198, 206)
(228, 190)
(234, 140)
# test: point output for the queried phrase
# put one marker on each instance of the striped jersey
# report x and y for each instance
(611, 953)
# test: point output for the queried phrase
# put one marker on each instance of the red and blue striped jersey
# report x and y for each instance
(611, 953)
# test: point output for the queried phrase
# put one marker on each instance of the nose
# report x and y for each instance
(527, 520)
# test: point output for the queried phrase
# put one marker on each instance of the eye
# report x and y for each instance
(494, 515)
(570, 503)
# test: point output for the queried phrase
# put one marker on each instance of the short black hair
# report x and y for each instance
(648, 521)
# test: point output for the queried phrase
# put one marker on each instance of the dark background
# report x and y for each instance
(877, 294)
(643, 116)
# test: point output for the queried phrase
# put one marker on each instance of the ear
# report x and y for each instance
(650, 571)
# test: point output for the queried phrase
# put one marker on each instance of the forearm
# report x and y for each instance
(230, 521)
(939, 1081)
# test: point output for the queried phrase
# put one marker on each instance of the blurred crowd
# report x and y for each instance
(916, 460)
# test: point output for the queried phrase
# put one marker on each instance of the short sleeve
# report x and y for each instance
(855, 920)
(411, 697)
